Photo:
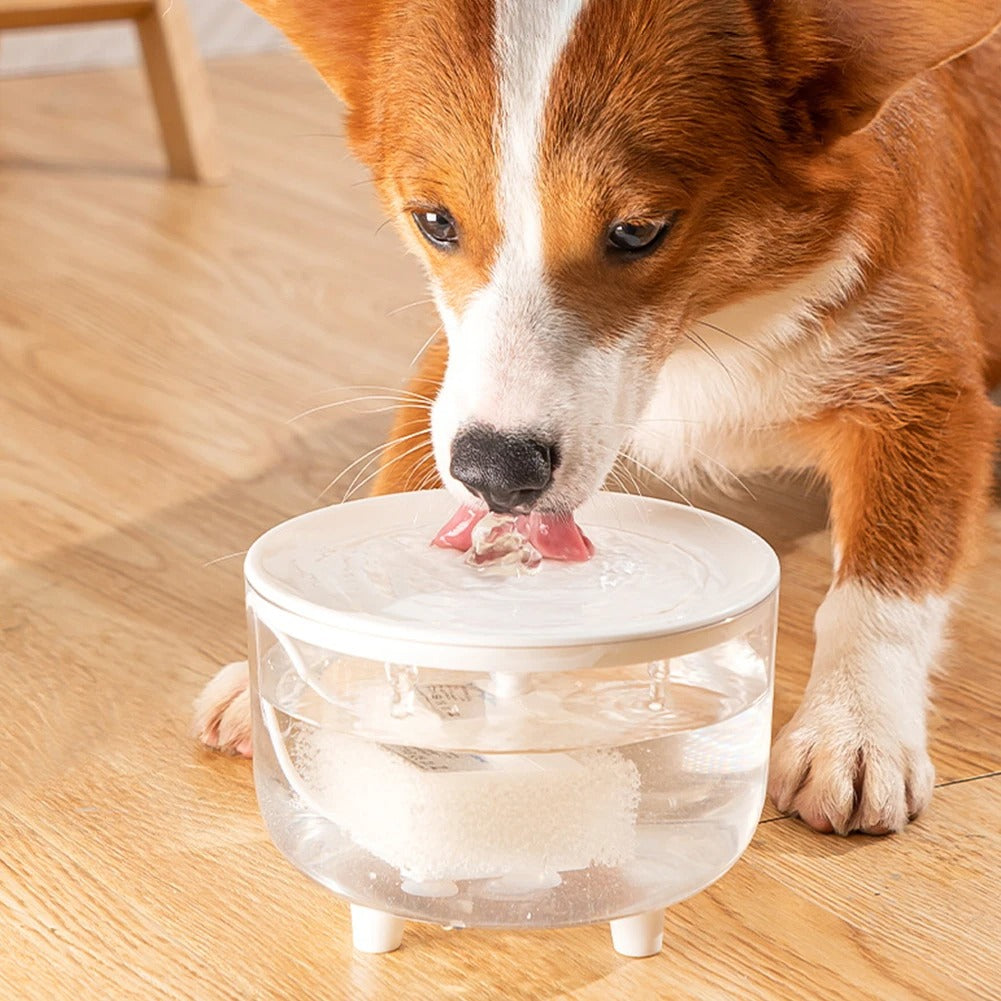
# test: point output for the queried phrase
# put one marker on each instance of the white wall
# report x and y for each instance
(224, 27)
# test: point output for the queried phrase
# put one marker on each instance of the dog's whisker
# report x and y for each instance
(620, 482)
(381, 447)
(374, 410)
(396, 404)
(320, 135)
(423, 348)
(617, 471)
(408, 305)
(358, 486)
(430, 474)
(376, 178)
(617, 481)
(220, 559)
(392, 390)
(700, 342)
(429, 480)
(621, 471)
(420, 433)
(423, 421)
(661, 479)
(698, 451)
(419, 468)
(637, 486)
(726, 469)
(612, 425)
(739, 340)
(664, 420)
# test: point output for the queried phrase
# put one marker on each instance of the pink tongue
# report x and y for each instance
(556, 537)
(457, 532)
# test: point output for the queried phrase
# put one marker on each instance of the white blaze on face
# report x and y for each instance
(517, 361)
(528, 39)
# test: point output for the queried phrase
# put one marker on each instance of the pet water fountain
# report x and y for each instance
(434, 742)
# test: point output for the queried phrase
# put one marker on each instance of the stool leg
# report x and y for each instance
(180, 92)
(375, 931)
(639, 935)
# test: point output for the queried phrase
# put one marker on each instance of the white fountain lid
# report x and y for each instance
(362, 579)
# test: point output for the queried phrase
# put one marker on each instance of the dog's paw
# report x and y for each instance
(842, 774)
(222, 711)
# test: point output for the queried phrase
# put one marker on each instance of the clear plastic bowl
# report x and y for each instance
(436, 743)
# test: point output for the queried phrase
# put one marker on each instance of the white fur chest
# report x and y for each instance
(743, 376)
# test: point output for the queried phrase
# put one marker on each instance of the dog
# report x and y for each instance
(741, 234)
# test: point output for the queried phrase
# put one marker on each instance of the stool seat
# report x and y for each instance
(173, 66)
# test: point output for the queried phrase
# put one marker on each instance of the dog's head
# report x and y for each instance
(585, 179)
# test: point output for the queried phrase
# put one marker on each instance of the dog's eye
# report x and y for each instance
(638, 236)
(437, 226)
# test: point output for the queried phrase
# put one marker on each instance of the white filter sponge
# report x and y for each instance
(438, 815)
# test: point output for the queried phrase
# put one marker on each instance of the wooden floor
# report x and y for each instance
(156, 342)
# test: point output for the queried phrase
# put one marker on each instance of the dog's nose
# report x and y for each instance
(509, 471)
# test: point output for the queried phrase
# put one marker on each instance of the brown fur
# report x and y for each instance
(906, 436)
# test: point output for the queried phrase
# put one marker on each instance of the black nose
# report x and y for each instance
(509, 471)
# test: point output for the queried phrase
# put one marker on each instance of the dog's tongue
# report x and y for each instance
(457, 532)
(556, 537)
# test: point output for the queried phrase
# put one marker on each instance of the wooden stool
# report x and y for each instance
(173, 65)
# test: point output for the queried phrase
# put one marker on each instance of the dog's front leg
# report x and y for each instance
(905, 502)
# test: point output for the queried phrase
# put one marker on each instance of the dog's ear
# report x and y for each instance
(844, 59)
(334, 35)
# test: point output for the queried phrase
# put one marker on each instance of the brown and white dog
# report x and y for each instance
(714, 233)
